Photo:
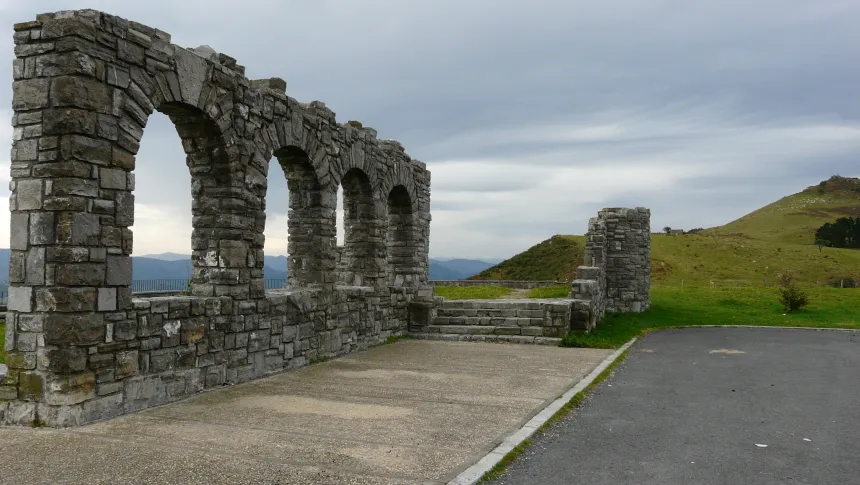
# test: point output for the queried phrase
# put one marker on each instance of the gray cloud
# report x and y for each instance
(533, 115)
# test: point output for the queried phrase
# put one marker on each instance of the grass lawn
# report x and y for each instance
(495, 292)
(680, 307)
(550, 292)
(471, 293)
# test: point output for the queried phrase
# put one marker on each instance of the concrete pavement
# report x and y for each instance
(409, 412)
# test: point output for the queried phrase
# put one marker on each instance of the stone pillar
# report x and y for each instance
(628, 259)
(71, 203)
(84, 86)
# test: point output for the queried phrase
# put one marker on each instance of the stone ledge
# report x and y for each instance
(509, 339)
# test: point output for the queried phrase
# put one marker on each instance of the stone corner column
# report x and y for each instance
(71, 204)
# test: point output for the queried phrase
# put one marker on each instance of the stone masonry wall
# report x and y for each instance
(80, 348)
(628, 259)
(616, 274)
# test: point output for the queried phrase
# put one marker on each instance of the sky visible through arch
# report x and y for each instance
(533, 115)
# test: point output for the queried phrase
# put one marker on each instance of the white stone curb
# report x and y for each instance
(474, 473)
(781, 327)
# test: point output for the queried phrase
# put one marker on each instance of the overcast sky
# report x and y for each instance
(531, 115)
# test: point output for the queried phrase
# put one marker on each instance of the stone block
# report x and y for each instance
(126, 364)
(79, 299)
(27, 342)
(42, 229)
(192, 331)
(81, 92)
(124, 209)
(64, 121)
(19, 231)
(31, 386)
(29, 94)
(68, 389)
(81, 274)
(106, 299)
(64, 361)
(113, 178)
(118, 271)
(28, 194)
(78, 229)
(21, 360)
(74, 329)
(103, 407)
(20, 299)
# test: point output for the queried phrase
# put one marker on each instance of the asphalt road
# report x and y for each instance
(713, 406)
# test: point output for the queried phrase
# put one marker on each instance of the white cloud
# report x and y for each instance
(531, 115)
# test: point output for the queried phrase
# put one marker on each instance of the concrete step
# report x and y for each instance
(510, 339)
(508, 311)
(495, 321)
(495, 304)
(493, 330)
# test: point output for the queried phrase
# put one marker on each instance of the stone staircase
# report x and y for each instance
(516, 321)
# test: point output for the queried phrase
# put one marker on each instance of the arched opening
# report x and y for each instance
(400, 238)
(275, 272)
(359, 257)
(166, 192)
(162, 224)
(310, 229)
(339, 226)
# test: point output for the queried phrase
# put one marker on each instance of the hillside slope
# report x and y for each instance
(794, 219)
(554, 259)
(751, 249)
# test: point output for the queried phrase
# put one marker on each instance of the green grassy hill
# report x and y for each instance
(795, 218)
(555, 259)
(751, 249)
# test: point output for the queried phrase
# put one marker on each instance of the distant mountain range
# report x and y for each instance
(174, 266)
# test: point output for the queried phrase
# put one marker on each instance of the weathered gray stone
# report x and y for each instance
(20, 299)
(29, 94)
(191, 70)
(80, 92)
(19, 231)
(65, 299)
(42, 228)
(35, 272)
(78, 228)
(107, 299)
(126, 364)
(28, 194)
(118, 270)
(74, 329)
(86, 274)
(64, 390)
(112, 178)
(64, 361)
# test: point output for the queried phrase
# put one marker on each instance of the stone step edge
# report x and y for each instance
(499, 321)
(508, 339)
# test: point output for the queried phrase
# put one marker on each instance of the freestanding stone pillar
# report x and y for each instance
(628, 259)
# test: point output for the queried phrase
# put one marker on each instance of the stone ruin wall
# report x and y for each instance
(616, 273)
(80, 346)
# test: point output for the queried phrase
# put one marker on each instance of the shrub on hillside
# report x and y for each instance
(790, 295)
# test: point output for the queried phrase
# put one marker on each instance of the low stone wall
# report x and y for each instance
(171, 347)
(518, 285)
